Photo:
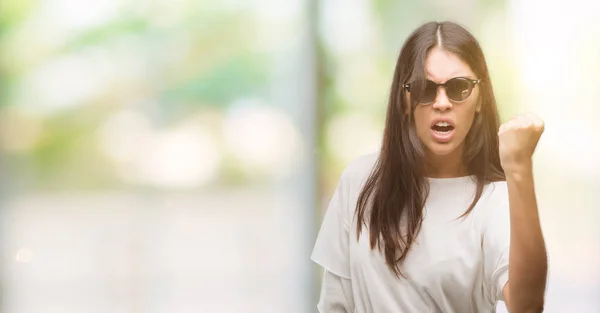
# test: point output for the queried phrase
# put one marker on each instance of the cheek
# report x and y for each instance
(421, 119)
(466, 115)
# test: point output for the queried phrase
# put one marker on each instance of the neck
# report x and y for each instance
(445, 166)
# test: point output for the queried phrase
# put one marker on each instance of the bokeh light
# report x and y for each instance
(175, 156)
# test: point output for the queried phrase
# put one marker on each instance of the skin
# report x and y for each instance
(528, 264)
(518, 139)
(444, 159)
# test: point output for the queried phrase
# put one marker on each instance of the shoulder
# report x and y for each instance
(496, 192)
(494, 206)
(353, 179)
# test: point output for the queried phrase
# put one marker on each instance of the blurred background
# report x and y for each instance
(177, 156)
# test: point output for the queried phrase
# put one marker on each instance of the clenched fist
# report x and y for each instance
(517, 139)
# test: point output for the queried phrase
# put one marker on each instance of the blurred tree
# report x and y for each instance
(203, 58)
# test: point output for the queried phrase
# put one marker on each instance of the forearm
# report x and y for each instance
(527, 261)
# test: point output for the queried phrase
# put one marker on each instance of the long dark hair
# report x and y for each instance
(392, 200)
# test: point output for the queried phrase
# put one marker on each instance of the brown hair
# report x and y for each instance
(392, 200)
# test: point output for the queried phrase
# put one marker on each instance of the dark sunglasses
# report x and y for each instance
(458, 89)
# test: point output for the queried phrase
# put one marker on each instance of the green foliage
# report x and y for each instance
(242, 75)
(105, 33)
(13, 12)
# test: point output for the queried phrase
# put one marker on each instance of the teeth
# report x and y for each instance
(442, 124)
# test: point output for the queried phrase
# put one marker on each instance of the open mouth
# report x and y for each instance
(442, 127)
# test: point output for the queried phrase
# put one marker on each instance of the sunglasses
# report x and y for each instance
(458, 89)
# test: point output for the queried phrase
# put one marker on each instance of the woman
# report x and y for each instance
(446, 212)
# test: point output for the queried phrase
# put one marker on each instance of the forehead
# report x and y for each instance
(442, 65)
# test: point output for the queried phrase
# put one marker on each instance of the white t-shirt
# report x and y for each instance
(455, 265)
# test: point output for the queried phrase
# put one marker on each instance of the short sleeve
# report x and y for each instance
(331, 247)
(496, 243)
(336, 295)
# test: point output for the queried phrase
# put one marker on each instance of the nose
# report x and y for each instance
(442, 103)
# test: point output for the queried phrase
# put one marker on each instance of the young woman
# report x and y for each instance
(444, 218)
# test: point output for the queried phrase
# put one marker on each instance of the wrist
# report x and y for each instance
(518, 170)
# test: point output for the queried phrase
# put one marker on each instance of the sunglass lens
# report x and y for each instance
(424, 91)
(458, 89)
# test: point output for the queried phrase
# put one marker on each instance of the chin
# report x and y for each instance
(441, 149)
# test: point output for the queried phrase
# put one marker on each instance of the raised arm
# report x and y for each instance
(528, 265)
